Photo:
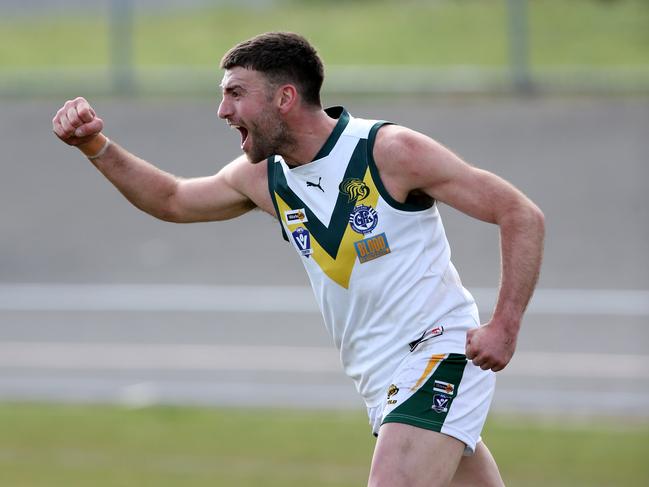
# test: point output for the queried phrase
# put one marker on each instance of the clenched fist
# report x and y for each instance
(77, 124)
(490, 346)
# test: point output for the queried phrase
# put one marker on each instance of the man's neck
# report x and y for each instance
(310, 130)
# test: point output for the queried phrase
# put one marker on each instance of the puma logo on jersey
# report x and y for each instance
(310, 184)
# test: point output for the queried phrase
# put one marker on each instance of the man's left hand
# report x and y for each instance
(490, 347)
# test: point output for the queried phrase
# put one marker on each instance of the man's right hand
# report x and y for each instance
(77, 124)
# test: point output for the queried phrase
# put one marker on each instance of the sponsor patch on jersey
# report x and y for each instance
(372, 248)
(441, 403)
(293, 217)
(363, 219)
(445, 387)
(302, 240)
(355, 189)
(427, 335)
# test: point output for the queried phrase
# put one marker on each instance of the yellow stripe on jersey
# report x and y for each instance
(339, 269)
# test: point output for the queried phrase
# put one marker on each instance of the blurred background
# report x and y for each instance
(101, 304)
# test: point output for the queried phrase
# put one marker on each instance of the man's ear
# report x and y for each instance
(287, 97)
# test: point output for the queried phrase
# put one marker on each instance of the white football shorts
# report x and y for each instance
(442, 392)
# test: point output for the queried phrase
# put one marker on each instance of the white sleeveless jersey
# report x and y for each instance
(380, 269)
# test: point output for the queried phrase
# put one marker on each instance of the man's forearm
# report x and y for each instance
(144, 185)
(522, 233)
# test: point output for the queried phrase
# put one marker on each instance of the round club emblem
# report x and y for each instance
(363, 219)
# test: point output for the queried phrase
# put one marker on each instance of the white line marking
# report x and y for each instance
(579, 365)
(279, 299)
(155, 297)
(127, 356)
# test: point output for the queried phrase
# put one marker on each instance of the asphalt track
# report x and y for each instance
(583, 348)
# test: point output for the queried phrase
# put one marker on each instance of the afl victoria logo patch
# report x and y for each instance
(441, 403)
(302, 240)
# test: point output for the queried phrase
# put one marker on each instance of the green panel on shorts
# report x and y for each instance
(428, 408)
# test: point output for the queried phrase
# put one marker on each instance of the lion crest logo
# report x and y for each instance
(355, 189)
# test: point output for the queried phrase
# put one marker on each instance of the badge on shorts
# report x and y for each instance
(445, 387)
(302, 240)
(440, 403)
(392, 390)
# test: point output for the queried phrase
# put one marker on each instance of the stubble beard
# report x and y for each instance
(269, 137)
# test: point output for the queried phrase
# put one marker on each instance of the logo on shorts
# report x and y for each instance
(440, 403)
(445, 387)
(427, 335)
(302, 240)
(392, 390)
(293, 217)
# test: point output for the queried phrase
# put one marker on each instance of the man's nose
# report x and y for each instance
(225, 109)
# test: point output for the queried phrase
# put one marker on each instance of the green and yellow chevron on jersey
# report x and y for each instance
(333, 245)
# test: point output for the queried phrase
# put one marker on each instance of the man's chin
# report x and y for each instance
(256, 158)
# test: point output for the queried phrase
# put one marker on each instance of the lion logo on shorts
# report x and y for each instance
(392, 390)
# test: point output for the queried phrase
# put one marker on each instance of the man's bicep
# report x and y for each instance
(444, 176)
(475, 192)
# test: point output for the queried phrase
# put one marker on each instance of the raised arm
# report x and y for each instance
(165, 196)
(411, 162)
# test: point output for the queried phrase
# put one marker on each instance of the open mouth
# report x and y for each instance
(242, 131)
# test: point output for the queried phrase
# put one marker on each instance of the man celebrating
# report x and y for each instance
(357, 199)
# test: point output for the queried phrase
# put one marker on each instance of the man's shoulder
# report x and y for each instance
(251, 180)
(247, 176)
(405, 159)
(394, 142)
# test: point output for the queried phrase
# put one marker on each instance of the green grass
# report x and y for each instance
(440, 33)
(52, 446)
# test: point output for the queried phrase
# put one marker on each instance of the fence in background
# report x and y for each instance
(123, 77)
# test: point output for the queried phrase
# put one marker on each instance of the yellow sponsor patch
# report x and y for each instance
(372, 248)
